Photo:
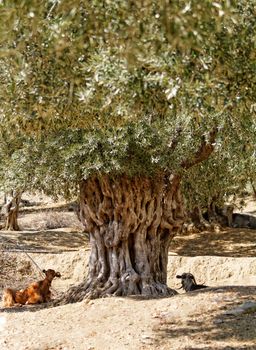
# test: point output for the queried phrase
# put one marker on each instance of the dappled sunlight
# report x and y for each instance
(46, 241)
(205, 323)
(232, 242)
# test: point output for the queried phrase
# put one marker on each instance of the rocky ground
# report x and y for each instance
(222, 317)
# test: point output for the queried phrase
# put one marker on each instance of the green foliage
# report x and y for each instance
(125, 87)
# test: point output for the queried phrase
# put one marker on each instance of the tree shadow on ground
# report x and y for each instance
(214, 329)
(229, 242)
(25, 308)
(46, 241)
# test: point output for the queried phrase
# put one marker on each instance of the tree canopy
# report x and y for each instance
(124, 87)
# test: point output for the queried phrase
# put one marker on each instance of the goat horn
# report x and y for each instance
(194, 280)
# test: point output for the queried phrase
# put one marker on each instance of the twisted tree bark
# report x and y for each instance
(131, 222)
(11, 210)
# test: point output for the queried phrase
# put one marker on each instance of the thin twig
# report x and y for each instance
(51, 9)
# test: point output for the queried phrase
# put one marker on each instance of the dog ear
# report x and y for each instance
(57, 274)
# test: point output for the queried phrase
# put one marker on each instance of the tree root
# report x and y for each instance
(94, 291)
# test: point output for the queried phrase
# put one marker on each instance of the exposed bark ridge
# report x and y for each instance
(131, 222)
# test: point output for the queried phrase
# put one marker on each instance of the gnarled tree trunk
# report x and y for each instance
(131, 222)
(198, 221)
(11, 210)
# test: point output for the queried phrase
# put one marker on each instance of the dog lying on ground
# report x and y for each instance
(35, 293)
(188, 282)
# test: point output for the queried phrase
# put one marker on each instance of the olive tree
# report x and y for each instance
(124, 98)
(10, 185)
(213, 187)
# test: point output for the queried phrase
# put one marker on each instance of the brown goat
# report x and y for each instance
(35, 293)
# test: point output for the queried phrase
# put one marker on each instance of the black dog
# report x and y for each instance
(188, 282)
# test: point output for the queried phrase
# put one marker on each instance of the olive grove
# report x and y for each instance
(129, 102)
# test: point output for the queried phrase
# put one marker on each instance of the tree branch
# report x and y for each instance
(204, 151)
(175, 140)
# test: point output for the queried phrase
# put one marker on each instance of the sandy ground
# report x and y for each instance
(194, 321)
(200, 320)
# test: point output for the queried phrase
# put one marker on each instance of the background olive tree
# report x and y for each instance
(213, 187)
(124, 98)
